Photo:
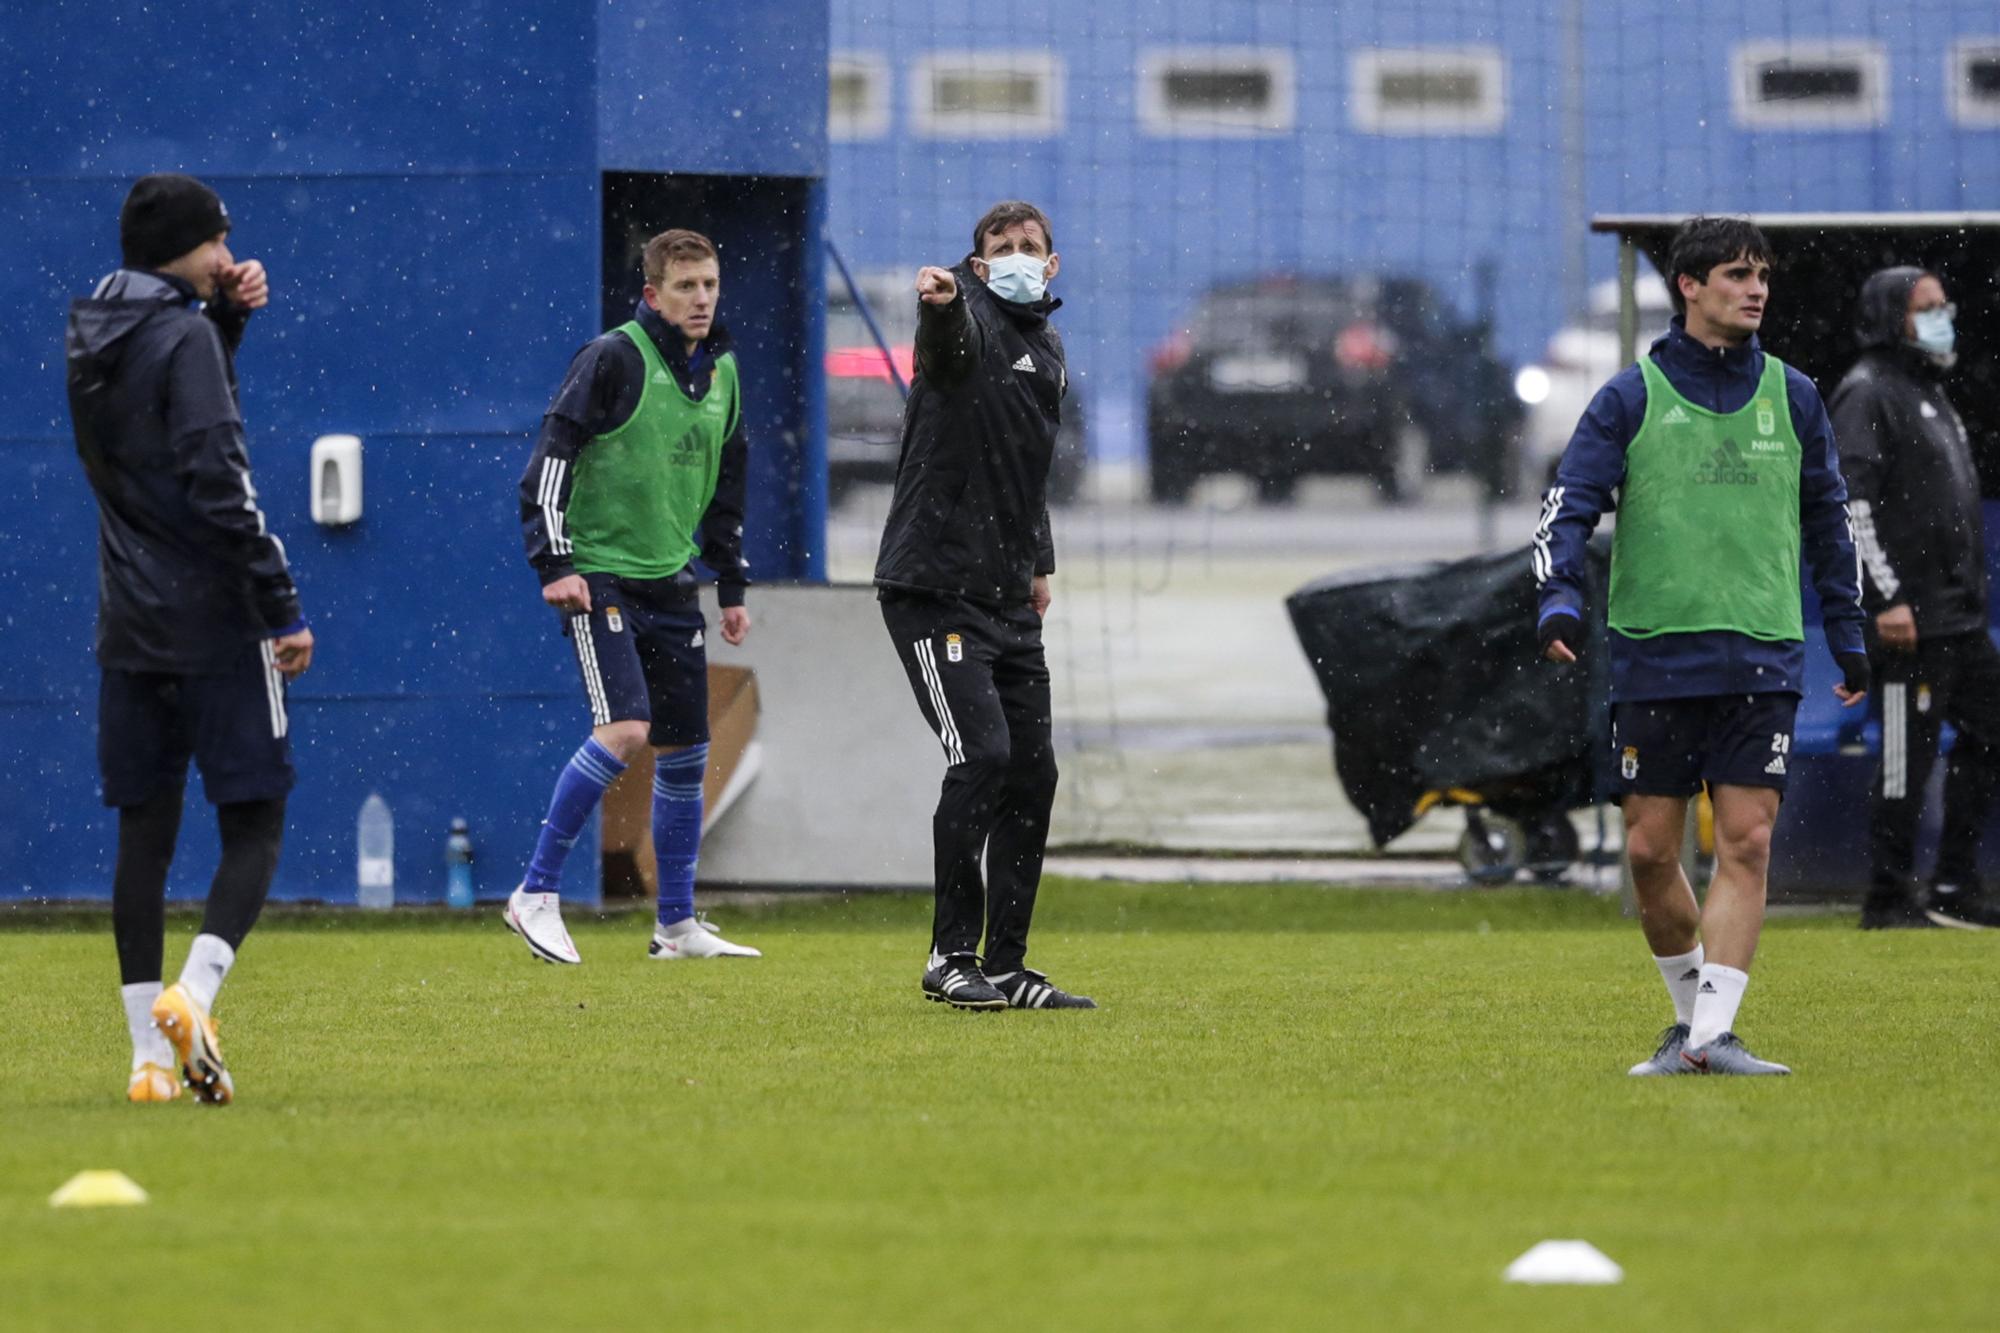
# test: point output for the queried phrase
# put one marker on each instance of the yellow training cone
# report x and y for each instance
(98, 1189)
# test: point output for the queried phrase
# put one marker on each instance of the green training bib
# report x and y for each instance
(1708, 518)
(641, 490)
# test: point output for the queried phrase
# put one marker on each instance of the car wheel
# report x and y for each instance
(1276, 489)
(1404, 464)
(1170, 463)
(838, 488)
(1169, 485)
(1066, 469)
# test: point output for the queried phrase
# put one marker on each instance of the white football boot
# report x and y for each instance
(537, 918)
(694, 938)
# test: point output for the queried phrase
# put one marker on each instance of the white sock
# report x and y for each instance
(1716, 1003)
(149, 1044)
(208, 963)
(1682, 973)
(680, 929)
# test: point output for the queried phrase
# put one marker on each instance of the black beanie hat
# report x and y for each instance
(165, 216)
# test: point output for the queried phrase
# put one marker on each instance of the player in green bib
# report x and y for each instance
(639, 471)
(1721, 465)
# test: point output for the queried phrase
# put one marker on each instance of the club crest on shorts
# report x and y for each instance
(1923, 698)
(613, 621)
(1628, 763)
(954, 648)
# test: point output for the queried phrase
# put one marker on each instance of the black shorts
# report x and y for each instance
(231, 723)
(642, 651)
(1670, 747)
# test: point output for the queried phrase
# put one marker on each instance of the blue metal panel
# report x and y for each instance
(489, 760)
(424, 185)
(440, 679)
(717, 89)
(249, 88)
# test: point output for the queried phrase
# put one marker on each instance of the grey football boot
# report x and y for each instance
(1727, 1055)
(1666, 1060)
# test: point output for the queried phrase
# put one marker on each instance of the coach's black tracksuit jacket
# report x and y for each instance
(1912, 490)
(970, 514)
(187, 571)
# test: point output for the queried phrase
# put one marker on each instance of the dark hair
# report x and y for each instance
(1006, 214)
(671, 247)
(1704, 242)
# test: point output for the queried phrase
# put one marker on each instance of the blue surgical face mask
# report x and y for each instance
(1935, 333)
(1022, 279)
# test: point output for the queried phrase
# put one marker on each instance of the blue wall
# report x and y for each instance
(1145, 224)
(427, 189)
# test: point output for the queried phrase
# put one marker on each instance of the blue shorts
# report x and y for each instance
(1670, 747)
(231, 723)
(642, 653)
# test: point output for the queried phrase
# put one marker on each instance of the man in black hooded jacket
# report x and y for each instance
(964, 582)
(198, 624)
(1913, 496)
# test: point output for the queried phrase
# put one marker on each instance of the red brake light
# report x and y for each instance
(1171, 354)
(869, 363)
(1363, 346)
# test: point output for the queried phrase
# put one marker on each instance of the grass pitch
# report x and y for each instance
(1299, 1108)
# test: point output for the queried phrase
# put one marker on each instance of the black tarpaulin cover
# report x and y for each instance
(1432, 681)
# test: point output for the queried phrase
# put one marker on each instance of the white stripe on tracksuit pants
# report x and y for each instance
(981, 678)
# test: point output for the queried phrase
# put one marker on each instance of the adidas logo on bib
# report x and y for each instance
(1025, 363)
(1675, 416)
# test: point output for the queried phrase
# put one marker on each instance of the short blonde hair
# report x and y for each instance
(672, 247)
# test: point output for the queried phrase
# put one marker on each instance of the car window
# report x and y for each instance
(1276, 315)
(895, 314)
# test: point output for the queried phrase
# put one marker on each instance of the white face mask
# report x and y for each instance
(1022, 279)
(1934, 331)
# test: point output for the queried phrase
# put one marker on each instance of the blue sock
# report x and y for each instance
(578, 790)
(677, 828)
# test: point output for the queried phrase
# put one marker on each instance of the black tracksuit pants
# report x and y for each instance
(1955, 679)
(982, 681)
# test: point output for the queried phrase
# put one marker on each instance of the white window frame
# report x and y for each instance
(872, 122)
(1367, 66)
(1869, 112)
(1957, 70)
(1158, 118)
(926, 121)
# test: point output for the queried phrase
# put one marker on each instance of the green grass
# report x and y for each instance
(1299, 1108)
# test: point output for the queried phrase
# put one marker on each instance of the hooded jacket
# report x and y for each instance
(969, 517)
(1911, 484)
(1712, 662)
(187, 571)
(606, 380)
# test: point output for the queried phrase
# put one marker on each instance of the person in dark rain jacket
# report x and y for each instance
(963, 576)
(1914, 494)
(1721, 465)
(198, 623)
(638, 470)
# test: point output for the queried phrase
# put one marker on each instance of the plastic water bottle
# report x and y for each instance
(376, 873)
(458, 866)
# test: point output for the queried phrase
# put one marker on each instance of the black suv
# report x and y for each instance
(1291, 374)
(864, 411)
